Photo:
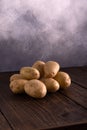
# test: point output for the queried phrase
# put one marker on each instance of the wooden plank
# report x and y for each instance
(77, 94)
(77, 75)
(3, 123)
(22, 111)
(32, 114)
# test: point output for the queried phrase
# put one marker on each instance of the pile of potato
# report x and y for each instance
(39, 79)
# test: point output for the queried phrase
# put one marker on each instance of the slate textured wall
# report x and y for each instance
(33, 30)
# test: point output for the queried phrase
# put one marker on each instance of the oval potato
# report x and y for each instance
(35, 88)
(51, 84)
(39, 65)
(17, 86)
(30, 73)
(50, 69)
(63, 79)
(16, 77)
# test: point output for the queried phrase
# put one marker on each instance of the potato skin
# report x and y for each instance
(51, 84)
(50, 69)
(35, 88)
(16, 77)
(63, 79)
(17, 86)
(30, 73)
(39, 65)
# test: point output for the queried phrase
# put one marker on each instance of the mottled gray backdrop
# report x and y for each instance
(45, 30)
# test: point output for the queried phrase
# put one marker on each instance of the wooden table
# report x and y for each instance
(63, 110)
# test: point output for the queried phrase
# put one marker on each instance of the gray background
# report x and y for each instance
(45, 30)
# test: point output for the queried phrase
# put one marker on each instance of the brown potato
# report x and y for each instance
(63, 79)
(30, 73)
(16, 77)
(35, 88)
(50, 69)
(17, 86)
(51, 84)
(39, 65)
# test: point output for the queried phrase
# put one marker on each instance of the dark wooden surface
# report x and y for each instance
(63, 110)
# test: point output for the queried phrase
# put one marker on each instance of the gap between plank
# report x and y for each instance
(6, 120)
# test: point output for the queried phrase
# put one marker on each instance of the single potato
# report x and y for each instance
(63, 79)
(30, 73)
(35, 88)
(51, 84)
(39, 65)
(17, 86)
(50, 69)
(16, 77)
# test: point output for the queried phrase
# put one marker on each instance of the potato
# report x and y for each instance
(50, 69)
(39, 65)
(30, 73)
(17, 86)
(16, 77)
(63, 79)
(35, 88)
(51, 84)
